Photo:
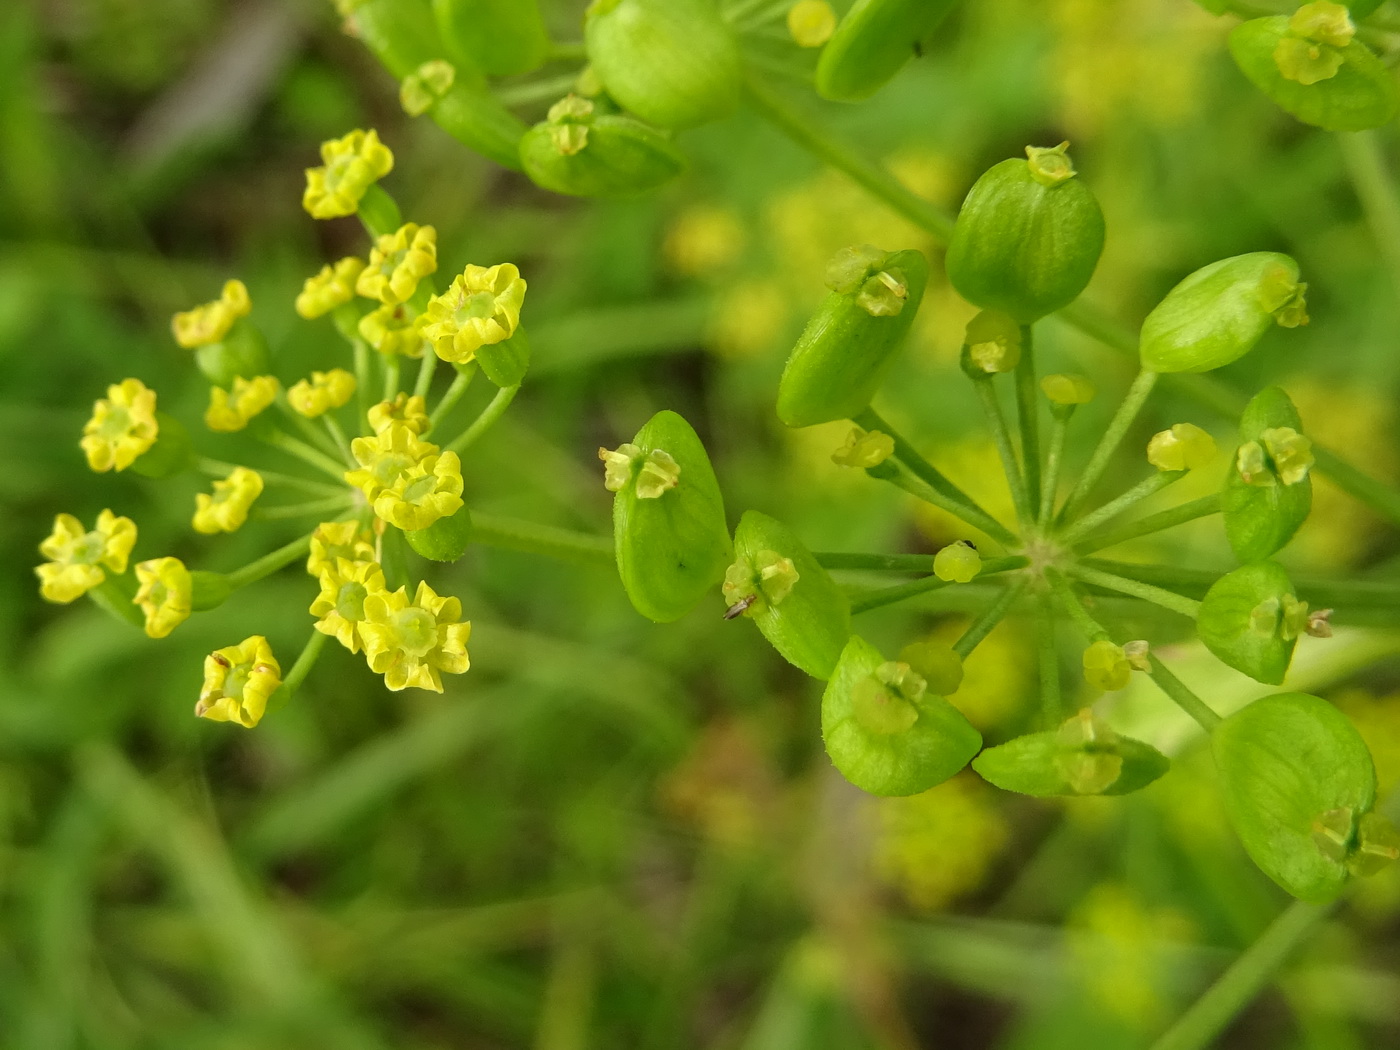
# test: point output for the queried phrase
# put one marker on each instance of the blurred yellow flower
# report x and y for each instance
(340, 607)
(811, 22)
(122, 427)
(322, 392)
(238, 681)
(385, 457)
(229, 411)
(164, 594)
(77, 557)
(227, 508)
(397, 262)
(211, 322)
(413, 644)
(351, 165)
(333, 286)
(410, 412)
(393, 329)
(704, 239)
(422, 493)
(482, 306)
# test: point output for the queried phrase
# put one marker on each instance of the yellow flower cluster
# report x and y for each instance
(122, 427)
(405, 410)
(229, 411)
(227, 509)
(393, 329)
(397, 262)
(322, 392)
(165, 594)
(351, 165)
(210, 322)
(77, 557)
(409, 482)
(481, 307)
(334, 286)
(238, 681)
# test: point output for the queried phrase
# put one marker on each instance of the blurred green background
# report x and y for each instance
(613, 834)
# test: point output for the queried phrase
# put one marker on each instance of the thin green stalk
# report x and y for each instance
(1209, 1016)
(280, 439)
(1156, 595)
(1184, 698)
(876, 562)
(991, 407)
(514, 534)
(1153, 523)
(1048, 662)
(361, 354)
(313, 508)
(1319, 591)
(1059, 431)
(1108, 444)
(314, 437)
(426, 371)
(219, 469)
(1069, 601)
(270, 563)
(1374, 187)
(391, 376)
(379, 213)
(899, 474)
(1028, 416)
(460, 382)
(986, 622)
(1377, 495)
(1149, 486)
(548, 90)
(489, 415)
(300, 669)
(953, 499)
(889, 595)
(338, 436)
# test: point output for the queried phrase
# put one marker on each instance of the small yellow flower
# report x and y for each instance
(1107, 667)
(334, 540)
(1291, 453)
(164, 594)
(398, 261)
(333, 286)
(227, 509)
(322, 392)
(122, 427)
(238, 681)
(77, 558)
(481, 307)
(413, 644)
(428, 490)
(385, 458)
(411, 412)
(340, 607)
(957, 563)
(210, 322)
(1184, 447)
(752, 585)
(393, 330)
(351, 166)
(230, 411)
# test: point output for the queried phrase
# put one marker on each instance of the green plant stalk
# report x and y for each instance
(484, 422)
(300, 669)
(1136, 588)
(1149, 486)
(1204, 1021)
(316, 438)
(311, 507)
(991, 407)
(951, 498)
(1028, 416)
(914, 588)
(460, 382)
(360, 349)
(110, 597)
(280, 439)
(426, 371)
(1365, 163)
(1059, 431)
(921, 563)
(1048, 662)
(1184, 698)
(1353, 594)
(987, 620)
(379, 213)
(1108, 444)
(1153, 523)
(269, 563)
(338, 436)
(391, 376)
(535, 92)
(901, 476)
(492, 530)
(219, 469)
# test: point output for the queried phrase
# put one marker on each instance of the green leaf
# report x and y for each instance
(845, 351)
(874, 41)
(934, 745)
(810, 623)
(1261, 518)
(1244, 621)
(671, 548)
(1290, 766)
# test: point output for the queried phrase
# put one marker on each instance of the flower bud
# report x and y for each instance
(583, 153)
(671, 62)
(885, 731)
(464, 107)
(1268, 493)
(849, 344)
(446, 539)
(1027, 238)
(1066, 390)
(500, 37)
(1251, 619)
(1298, 784)
(1084, 756)
(864, 449)
(776, 582)
(1106, 666)
(991, 344)
(1184, 447)
(957, 563)
(669, 529)
(1217, 314)
(873, 43)
(1310, 66)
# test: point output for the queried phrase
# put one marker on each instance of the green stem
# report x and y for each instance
(379, 213)
(361, 353)
(549, 90)
(270, 563)
(1112, 438)
(300, 669)
(426, 371)
(1048, 661)
(460, 382)
(280, 439)
(219, 469)
(986, 622)
(878, 562)
(1319, 591)
(297, 510)
(315, 438)
(1209, 1016)
(391, 376)
(1028, 416)
(1149, 486)
(1164, 519)
(1059, 431)
(1374, 189)
(950, 498)
(1377, 495)
(889, 595)
(1184, 698)
(489, 415)
(1156, 595)
(987, 395)
(514, 534)
(338, 436)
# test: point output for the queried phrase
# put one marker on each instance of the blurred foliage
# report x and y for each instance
(611, 833)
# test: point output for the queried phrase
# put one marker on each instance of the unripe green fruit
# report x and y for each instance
(505, 363)
(1027, 238)
(1263, 513)
(585, 154)
(1215, 315)
(400, 33)
(874, 41)
(1057, 762)
(671, 62)
(499, 37)
(446, 539)
(1297, 779)
(172, 452)
(884, 737)
(208, 590)
(473, 116)
(243, 352)
(1251, 619)
(850, 343)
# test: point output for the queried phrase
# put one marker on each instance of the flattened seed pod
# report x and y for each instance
(444, 540)
(583, 154)
(1251, 619)
(873, 42)
(850, 343)
(669, 530)
(885, 732)
(777, 583)
(1082, 757)
(1268, 490)
(499, 37)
